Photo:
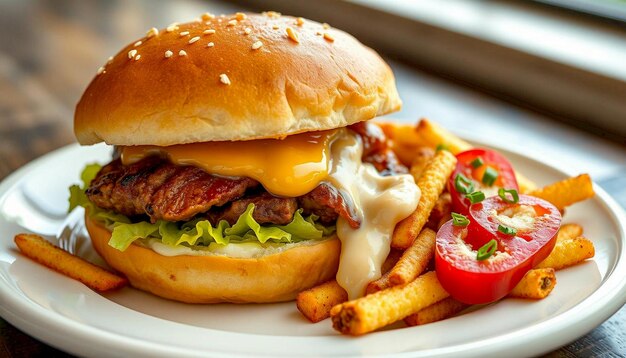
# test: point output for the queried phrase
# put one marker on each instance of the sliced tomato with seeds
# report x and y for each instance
(471, 280)
(479, 170)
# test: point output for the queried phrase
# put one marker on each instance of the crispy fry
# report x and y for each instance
(433, 135)
(436, 312)
(377, 310)
(442, 208)
(431, 183)
(414, 259)
(568, 252)
(422, 157)
(382, 283)
(569, 231)
(315, 303)
(390, 261)
(94, 277)
(536, 284)
(403, 139)
(566, 192)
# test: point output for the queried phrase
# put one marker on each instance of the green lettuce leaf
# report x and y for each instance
(198, 232)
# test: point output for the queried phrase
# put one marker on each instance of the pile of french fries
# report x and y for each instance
(408, 289)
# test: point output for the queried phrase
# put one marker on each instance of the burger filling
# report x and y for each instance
(185, 205)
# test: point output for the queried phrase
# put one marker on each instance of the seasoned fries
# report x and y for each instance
(377, 310)
(433, 135)
(94, 277)
(414, 260)
(316, 303)
(431, 183)
(569, 231)
(566, 192)
(536, 284)
(422, 157)
(436, 312)
(568, 252)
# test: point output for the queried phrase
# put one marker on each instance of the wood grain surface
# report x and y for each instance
(50, 50)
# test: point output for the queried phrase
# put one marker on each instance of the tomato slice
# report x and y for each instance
(476, 282)
(467, 165)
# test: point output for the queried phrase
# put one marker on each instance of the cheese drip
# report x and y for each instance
(381, 202)
(285, 167)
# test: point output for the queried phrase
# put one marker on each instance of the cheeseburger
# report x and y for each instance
(243, 166)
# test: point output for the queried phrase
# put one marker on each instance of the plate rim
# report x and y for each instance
(603, 305)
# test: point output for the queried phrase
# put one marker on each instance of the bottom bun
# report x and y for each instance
(216, 278)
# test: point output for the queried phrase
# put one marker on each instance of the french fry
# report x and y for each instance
(436, 312)
(442, 208)
(390, 261)
(414, 259)
(315, 303)
(422, 156)
(433, 135)
(382, 283)
(431, 183)
(568, 252)
(403, 140)
(377, 310)
(566, 192)
(536, 284)
(569, 231)
(94, 277)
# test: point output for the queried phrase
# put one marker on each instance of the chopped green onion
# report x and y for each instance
(507, 230)
(463, 185)
(476, 197)
(490, 176)
(487, 250)
(477, 163)
(459, 220)
(502, 194)
(442, 146)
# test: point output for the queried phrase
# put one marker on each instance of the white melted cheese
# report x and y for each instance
(520, 217)
(380, 202)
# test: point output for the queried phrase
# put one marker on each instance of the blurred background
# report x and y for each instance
(546, 78)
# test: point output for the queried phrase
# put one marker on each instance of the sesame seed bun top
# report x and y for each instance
(234, 77)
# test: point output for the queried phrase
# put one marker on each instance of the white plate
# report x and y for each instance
(66, 314)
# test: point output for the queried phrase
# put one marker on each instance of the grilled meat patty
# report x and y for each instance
(164, 191)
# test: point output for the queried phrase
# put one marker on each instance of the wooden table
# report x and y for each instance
(51, 49)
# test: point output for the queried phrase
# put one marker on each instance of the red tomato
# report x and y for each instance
(491, 159)
(476, 282)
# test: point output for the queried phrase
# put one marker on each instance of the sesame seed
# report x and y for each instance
(184, 33)
(271, 14)
(152, 32)
(208, 32)
(326, 26)
(328, 37)
(224, 79)
(240, 16)
(208, 16)
(173, 27)
(232, 23)
(275, 27)
(247, 31)
(132, 53)
(257, 45)
(210, 44)
(101, 70)
(110, 59)
(137, 57)
(293, 35)
(299, 21)
(168, 54)
(194, 39)
(138, 43)
(219, 20)
(182, 53)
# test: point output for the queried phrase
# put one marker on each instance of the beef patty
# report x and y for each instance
(164, 191)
